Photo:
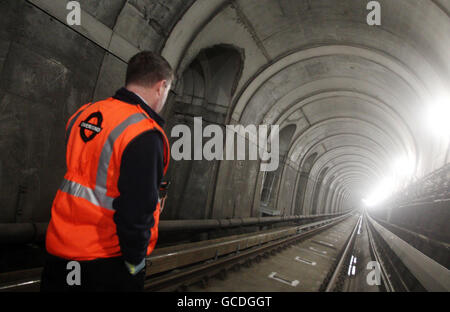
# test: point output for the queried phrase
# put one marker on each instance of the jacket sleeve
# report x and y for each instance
(141, 171)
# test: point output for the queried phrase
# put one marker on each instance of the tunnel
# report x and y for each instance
(356, 92)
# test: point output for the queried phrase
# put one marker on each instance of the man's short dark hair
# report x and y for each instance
(147, 68)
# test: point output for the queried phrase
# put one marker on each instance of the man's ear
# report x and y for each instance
(160, 87)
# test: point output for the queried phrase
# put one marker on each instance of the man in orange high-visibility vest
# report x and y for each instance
(105, 215)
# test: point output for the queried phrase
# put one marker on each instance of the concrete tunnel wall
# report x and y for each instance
(355, 93)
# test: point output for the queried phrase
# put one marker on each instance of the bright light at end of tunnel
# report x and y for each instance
(402, 169)
(438, 116)
(381, 192)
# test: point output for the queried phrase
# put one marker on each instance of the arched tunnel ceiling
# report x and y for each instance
(338, 128)
(356, 93)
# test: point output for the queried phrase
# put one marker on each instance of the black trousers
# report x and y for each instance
(111, 275)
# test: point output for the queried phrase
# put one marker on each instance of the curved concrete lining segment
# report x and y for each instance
(316, 52)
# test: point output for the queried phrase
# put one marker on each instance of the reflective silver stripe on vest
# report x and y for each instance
(89, 194)
(98, 196)
(105, 156)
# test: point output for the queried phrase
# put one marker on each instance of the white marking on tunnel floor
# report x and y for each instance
(352, 266)
(319, 242)
(282, 280)
(317, 250)
(305, 261)
(315, 253)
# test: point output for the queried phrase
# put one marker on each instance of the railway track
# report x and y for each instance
(333, 255)
(168, 265)
(326, 255)
(301, 258)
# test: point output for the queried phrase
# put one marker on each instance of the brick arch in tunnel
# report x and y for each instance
(398, 120)
(350, 139)
(329, 189)
(393, 123)
(353, 165)
(320, 141)
(315, 187)
(340, 166)
(356, 172)
(377, 107)
(204, 90)
(342, 201)
(203, 14)
(350, 173)
(349, 156)
(272, 179)
(332, 172)
(331, 157)
(327, 164)
(301, 182)
(310, 100)
(344, 184)
(343, 133)
(402, 73)
(344, 150)
(312, 210)
(394, 144)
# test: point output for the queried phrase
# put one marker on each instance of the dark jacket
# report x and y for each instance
(141, 172)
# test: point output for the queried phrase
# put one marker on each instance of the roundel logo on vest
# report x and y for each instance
(91, 127)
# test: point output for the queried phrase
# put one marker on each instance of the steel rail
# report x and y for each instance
(199, 272)
(430, 274)
(384, 276)
(334, 278)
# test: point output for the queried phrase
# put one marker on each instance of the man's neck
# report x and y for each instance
(141, 98)
(141, 93)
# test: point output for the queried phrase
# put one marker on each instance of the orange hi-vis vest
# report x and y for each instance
(82, 225)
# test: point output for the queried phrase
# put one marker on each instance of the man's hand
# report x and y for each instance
(135, 269)
(163, 189)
